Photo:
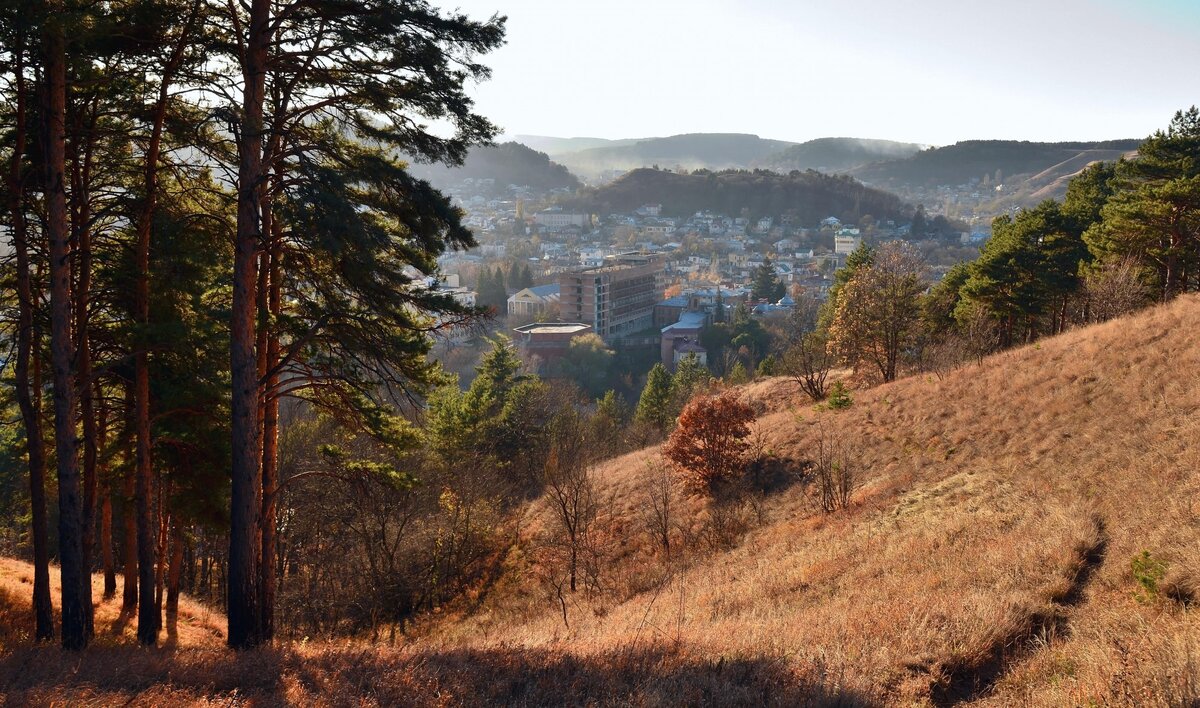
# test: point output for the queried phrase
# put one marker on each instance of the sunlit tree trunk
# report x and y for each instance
(244, 613)
(70, 519)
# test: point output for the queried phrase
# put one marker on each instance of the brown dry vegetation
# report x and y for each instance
(986, 558)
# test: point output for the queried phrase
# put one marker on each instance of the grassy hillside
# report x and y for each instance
(972, 159)
(988, 557)
(838, 154)
(810, 195)
(690, 151)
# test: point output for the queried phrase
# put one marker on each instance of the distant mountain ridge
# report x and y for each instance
(506, 163)
(839, 154)
(553, 146)
(972, 159)
(688, 151)
(809, 196)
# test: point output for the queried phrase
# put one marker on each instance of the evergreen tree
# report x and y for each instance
(738, 374)
(353, 225)
(769, 366)
(1154, 214)
(607, 424)
(858, 259)
(920, 223)
(937, 308)
(766, 284)
(690, 378)
(654, 405)
(526, 277)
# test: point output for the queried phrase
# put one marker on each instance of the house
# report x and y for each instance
(683, 339)
(534, 301)
(668, 311)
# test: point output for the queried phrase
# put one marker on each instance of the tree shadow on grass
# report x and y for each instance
(652, 675)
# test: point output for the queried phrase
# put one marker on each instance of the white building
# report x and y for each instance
(556, 218)
(532, 302)
(846, 244)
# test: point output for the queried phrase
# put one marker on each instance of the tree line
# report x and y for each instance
(207, 216)
(1127, 233)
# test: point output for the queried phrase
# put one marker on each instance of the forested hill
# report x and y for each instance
(812, 196)
(506, 163)
(838, 154)
(959, 163)
(689, 151)
(554, 146)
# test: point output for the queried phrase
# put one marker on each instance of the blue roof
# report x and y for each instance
(690, 319)
(545, 290)
(677, 301)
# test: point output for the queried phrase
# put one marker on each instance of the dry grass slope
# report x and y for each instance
(986, 559)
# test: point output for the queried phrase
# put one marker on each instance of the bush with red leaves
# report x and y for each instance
(709, 445)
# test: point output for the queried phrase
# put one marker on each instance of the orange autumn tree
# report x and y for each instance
(709, 446)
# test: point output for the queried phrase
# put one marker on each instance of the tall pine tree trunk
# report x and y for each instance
(70, 504)
(106, 511)
(244, 613)
(174, 574)
(81, 217)
(270, 444)
(26, 400)
(129, 597)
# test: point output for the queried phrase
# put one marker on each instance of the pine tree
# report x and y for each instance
(341, 223)
(1154, 214)
(654, 405)
(690, 378)
(766, 284)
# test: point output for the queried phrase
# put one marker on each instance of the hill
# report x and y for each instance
(506, 163)
(553, 146)
(838, 154)
(1023, 532)
(973, 159)
(990, 554)
(689, 151)
(811, 196)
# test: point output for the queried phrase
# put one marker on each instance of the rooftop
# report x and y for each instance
(552, 328)
(544, 290)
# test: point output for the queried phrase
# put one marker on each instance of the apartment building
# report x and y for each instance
(617, 298)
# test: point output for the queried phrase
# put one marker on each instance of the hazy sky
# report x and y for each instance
(927, 71)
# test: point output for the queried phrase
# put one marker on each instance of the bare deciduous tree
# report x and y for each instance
(808, 362)
(571, 494)
(835, 472)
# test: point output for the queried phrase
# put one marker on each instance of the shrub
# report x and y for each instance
(835, 473)
(709, 446)
(1148, 571)
(839, 397)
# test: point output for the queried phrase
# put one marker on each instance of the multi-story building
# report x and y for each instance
(845, 243)
(556, 218)
(617, 298)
